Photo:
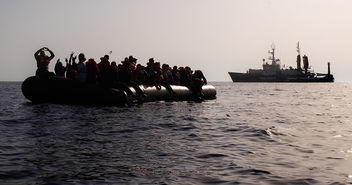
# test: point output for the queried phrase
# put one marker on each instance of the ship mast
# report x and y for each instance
(272, 52)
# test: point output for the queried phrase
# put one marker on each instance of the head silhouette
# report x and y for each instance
(42, 53)
(81, 57)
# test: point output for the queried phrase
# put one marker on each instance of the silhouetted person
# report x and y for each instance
(125, 73)
(167, 78)
(185, 77)
(43, 62)
(71, 66)
(175, 76)
(141, 75)
(198, 80)
(104, 66)
(167, 74)
(113, 73)
(149, 64)
(132, 63)
(60, 69)
(155, 75)
(81, 68)
(92, 71)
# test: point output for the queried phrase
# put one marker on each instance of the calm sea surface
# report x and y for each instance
(253, 133)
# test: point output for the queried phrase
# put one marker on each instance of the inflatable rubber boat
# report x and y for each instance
(67, 91)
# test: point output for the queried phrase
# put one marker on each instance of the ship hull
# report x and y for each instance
(245, 77)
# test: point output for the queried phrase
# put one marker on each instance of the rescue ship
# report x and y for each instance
(272, 71)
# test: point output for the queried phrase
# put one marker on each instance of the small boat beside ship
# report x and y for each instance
(272, 71)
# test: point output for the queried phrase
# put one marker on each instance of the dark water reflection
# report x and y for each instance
(252, 134)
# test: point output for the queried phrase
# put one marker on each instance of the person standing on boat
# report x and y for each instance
(43, 62)
(81, 68)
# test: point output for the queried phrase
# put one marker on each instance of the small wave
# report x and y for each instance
(232, 130)
(305, 150)
(254, 172)
(184, 128)
(212, 180)
(126, 131)
(335, 158)
(193, 135)
(337, 136)
(190, 119)
(167, 125)
(278, 89)
(206, 156)
(303, 181)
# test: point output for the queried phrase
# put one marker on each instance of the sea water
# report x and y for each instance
(253, 133)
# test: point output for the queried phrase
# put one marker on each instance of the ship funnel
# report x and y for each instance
(299, 62)
(328, 68)
(305, 64)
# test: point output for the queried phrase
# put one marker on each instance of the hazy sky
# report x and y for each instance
(216, 36)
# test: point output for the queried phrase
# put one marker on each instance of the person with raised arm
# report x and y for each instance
(43, 62)
(71, 67)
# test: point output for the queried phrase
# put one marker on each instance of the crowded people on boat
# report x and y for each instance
(124, 75)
